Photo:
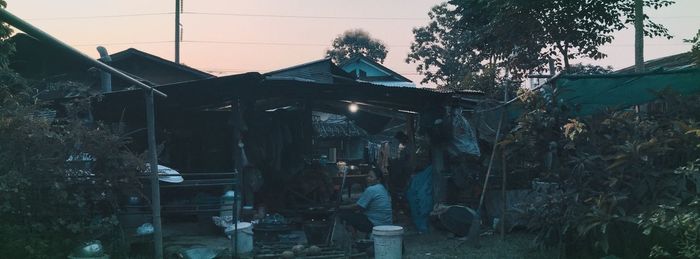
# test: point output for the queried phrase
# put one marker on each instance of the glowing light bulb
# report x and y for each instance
(353, 107)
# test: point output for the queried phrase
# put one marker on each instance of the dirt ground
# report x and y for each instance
(436, 244)
(441, 245)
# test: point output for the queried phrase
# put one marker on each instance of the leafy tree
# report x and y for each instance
(588, 69)
(696, 46)
(517, 37)
(59, 178)
(627, 185)
(356, 42)
(439, 53)
(5, 48)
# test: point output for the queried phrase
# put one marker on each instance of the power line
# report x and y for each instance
(255, 43)
(258, 43)
(276, 16)
(122, 43)
(98, 16)
(232, 14)
(310, 16)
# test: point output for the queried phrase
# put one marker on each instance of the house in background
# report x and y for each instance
(367, 70)
(339, 134)
(320, 71)
(337, 137)
(668, 63)
(36, 60)
(154, 69)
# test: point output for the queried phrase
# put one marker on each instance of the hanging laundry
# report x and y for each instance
(383, 158)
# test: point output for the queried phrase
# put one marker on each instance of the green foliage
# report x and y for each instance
(48, 201)
(678, 225)
(5, 47)
(356, 42)
(438, 53)
(465, 37)
(696, 46)
(617, 172)
(588, 69)
(60, 178)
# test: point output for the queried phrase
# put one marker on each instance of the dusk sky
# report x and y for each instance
(230, 36)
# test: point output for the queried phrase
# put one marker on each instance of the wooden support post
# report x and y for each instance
(177, 30)
(237, 151)
(439, 182)
(411, 145)
(308, 129)
(639, 36)
(439, 164)
(505, 197)
(155, 185)
(504, 115)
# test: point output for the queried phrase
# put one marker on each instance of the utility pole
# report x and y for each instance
(639, 36)
(177, 30)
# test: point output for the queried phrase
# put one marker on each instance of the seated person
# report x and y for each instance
(372, 209)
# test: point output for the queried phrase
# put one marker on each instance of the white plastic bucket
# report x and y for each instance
(244, 242)
(388, 241)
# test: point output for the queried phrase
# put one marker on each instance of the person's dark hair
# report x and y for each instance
(377, 174)
(401, 137)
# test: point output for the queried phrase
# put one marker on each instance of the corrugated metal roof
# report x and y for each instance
(670, 63)
(394, 83)
(334, 130)
(218, 92)
(451, 91)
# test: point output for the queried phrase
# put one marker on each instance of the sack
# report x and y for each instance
(463, 138)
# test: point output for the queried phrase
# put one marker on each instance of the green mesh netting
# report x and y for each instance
(595, 93)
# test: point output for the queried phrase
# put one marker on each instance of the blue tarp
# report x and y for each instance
(420, 198)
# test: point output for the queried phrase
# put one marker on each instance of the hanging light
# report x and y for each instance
(353, 107)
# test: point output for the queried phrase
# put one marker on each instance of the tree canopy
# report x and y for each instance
(466, 36)
(356, 42)
(696, 46)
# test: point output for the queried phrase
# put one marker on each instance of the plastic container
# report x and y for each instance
(388, 242)
(247, 214)
(227, 201)
(244, 241)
